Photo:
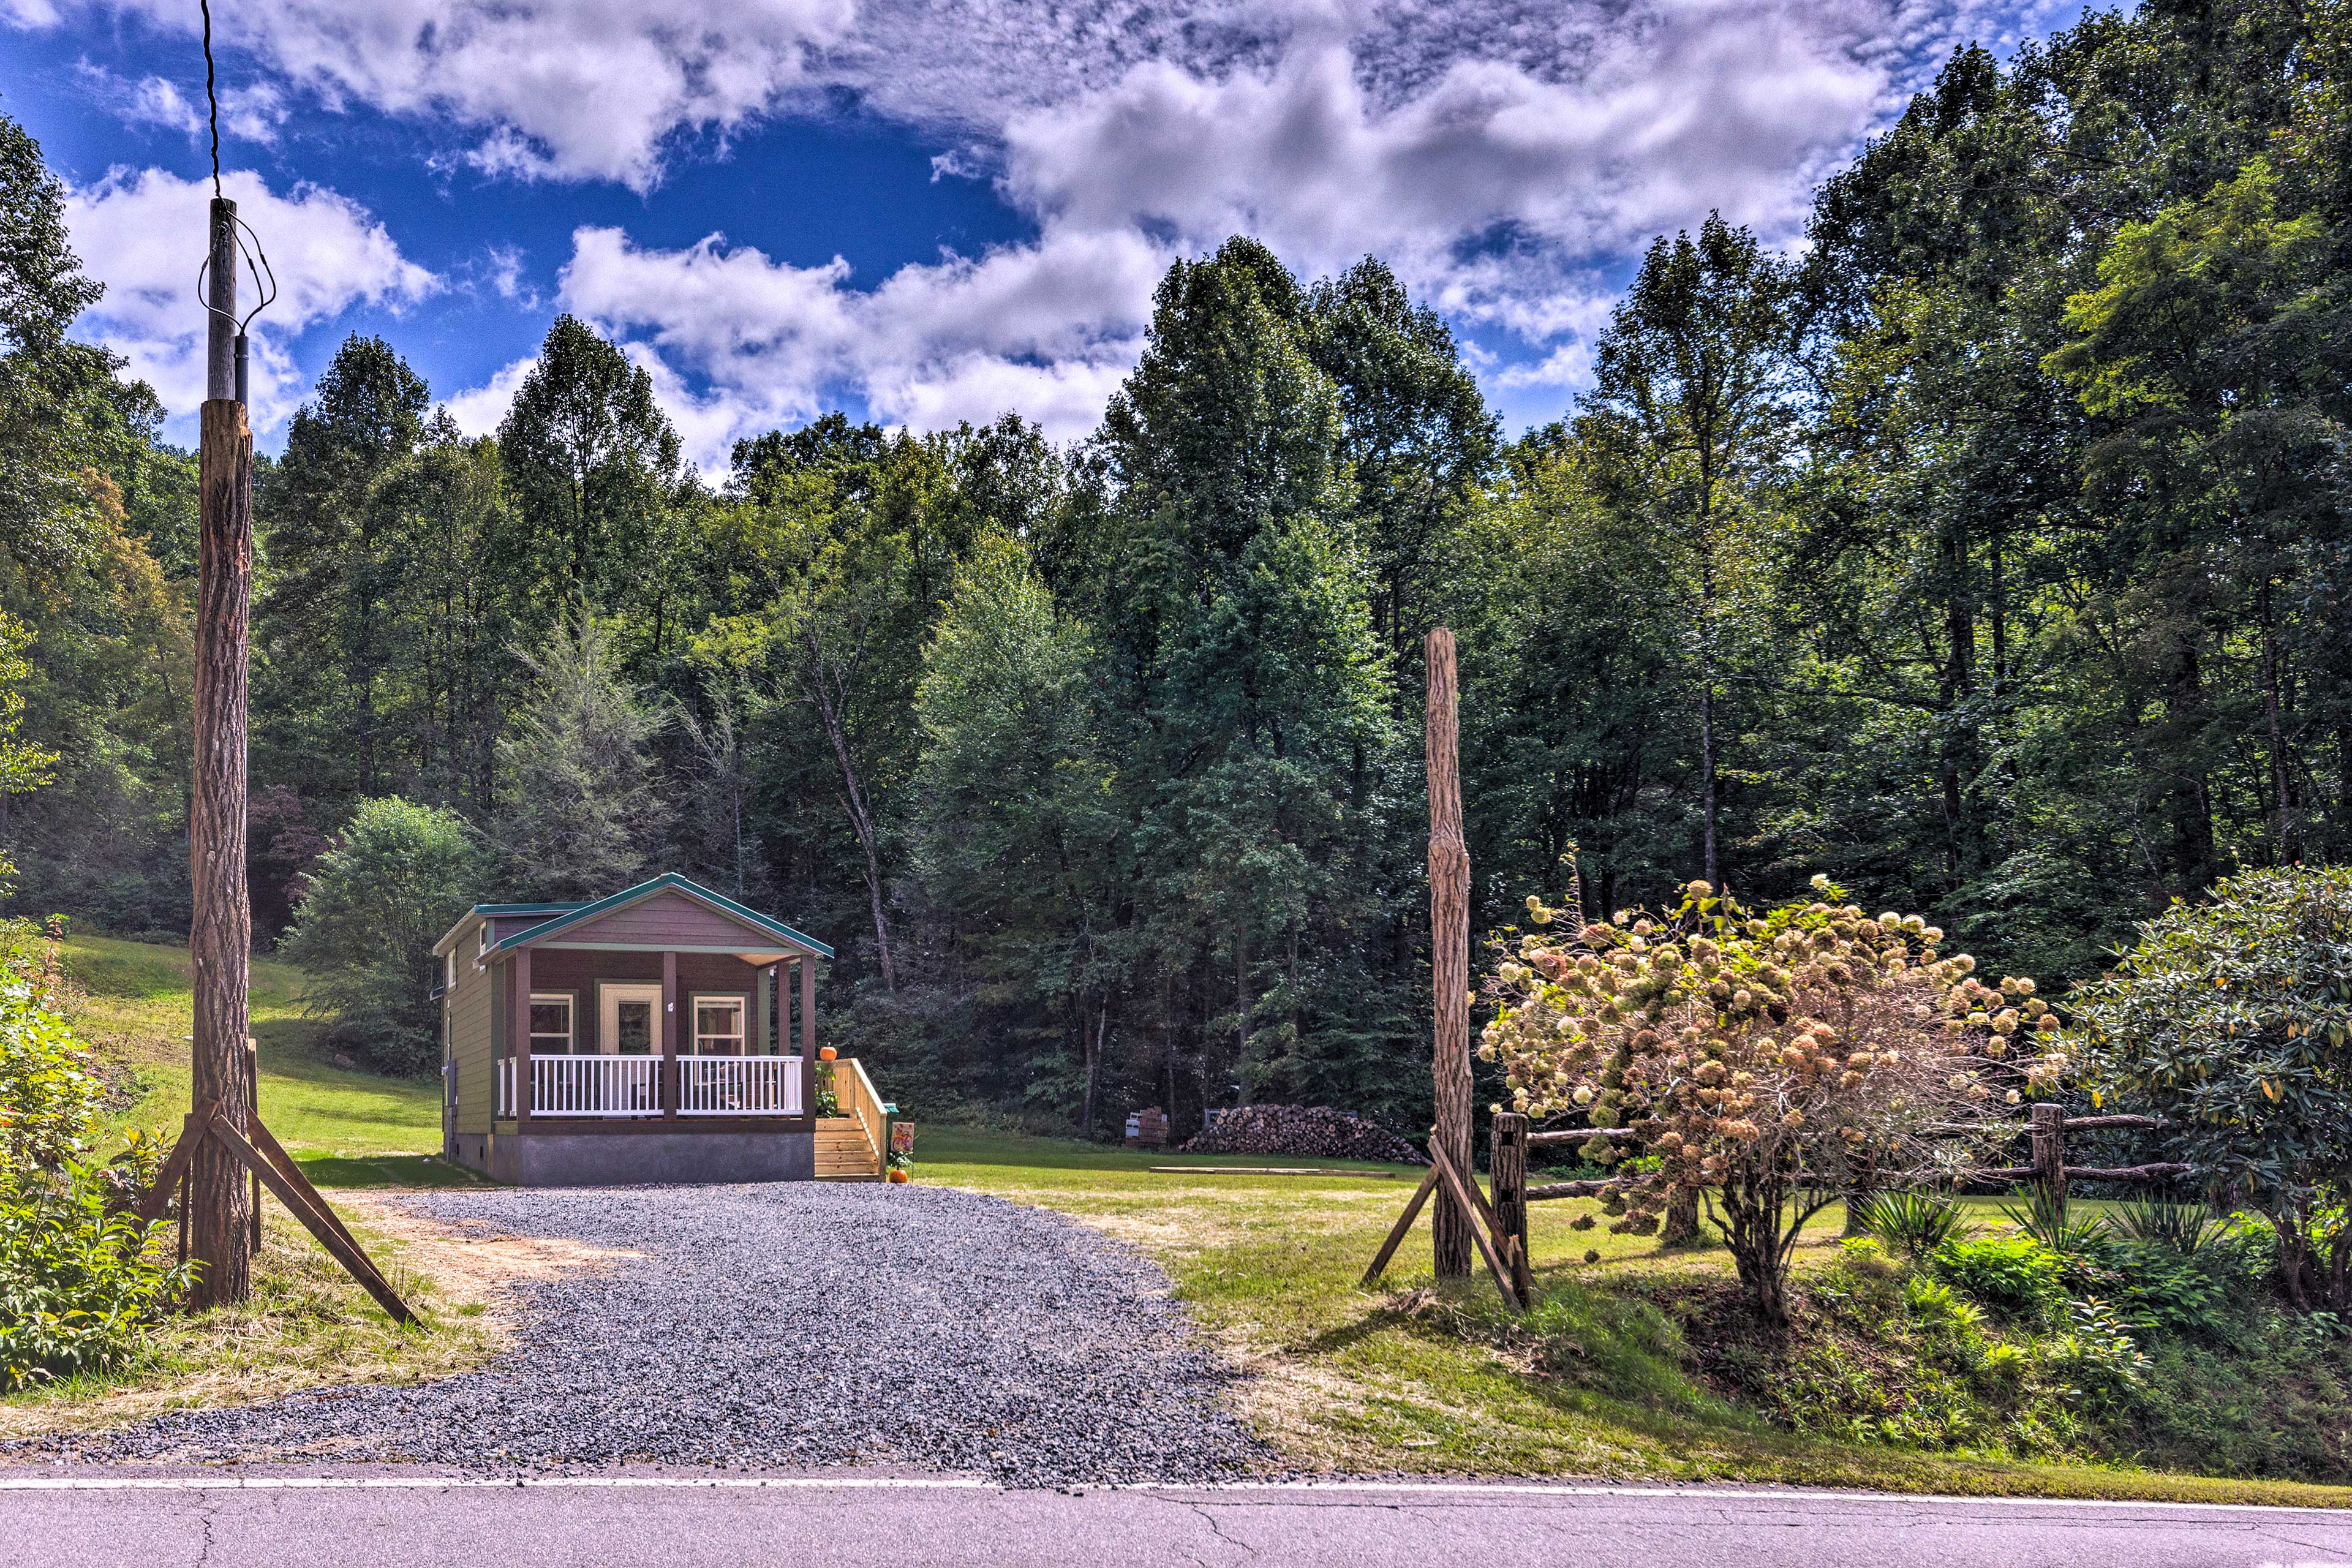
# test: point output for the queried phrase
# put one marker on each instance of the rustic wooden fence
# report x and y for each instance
(1502, 1245)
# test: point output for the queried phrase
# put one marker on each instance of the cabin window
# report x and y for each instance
(719, 1026)
(550, 1023)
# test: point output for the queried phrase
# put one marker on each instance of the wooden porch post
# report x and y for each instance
(767, 1017)
(670, 1021)
(518, 1034)
(808, 1005)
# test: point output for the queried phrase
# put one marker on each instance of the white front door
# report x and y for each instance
(629, 1020)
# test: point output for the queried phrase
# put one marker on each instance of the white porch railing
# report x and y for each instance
(738, 1085)
(595, 1086)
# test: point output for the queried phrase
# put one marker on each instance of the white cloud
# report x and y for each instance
(141, 233)
(480, 411)
(1046, 329)
(570, 88)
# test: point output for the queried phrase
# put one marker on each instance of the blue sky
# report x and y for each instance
(924, 210)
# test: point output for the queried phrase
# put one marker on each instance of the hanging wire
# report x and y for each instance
(212, 103)
(256, 260)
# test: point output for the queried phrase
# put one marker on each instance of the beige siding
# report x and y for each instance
(469, 1027)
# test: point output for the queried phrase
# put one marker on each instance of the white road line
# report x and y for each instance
(964, 1483)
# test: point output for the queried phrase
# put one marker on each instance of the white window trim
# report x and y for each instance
(742, 1036)
(571, 1000)
(481, 957)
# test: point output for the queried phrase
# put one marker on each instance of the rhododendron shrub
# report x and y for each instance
(1775, 1062)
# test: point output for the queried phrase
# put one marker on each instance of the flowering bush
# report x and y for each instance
(1775, 1063)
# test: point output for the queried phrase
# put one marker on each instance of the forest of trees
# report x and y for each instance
(1989, 552)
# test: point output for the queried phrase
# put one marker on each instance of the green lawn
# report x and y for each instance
(348, 1127)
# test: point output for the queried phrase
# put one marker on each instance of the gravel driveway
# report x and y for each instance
(786, 1325)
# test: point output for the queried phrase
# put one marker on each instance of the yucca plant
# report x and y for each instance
(2043, 1218)
(2185, 1228)
(1913, 1224)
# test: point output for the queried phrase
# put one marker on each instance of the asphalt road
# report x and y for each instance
(392, 1519)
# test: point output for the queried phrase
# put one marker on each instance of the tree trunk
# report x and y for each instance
(2282, 793)
(220, 932)
(1680, 1226)
(1449, 950)
(861, 820)
(1094, 1066)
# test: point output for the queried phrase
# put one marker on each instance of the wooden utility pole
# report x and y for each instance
(1449, 952)
(220, 1212)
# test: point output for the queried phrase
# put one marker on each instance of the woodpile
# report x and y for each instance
(1315, 1130)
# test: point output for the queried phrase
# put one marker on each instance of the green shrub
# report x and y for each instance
(2214, 1290)
(1914, 1224)
(2185, 1228)
(393, 882)
(2014, 1275)
(78, 1284)
(49, 1088)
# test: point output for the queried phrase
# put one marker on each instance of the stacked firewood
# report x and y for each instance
(1317, 1131)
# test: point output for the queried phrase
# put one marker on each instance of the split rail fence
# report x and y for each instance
(1503, 1243)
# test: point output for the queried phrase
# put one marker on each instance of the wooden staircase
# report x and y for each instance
(844, 1152)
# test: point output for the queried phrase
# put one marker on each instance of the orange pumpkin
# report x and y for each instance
(826, 1053)
(898, 1175)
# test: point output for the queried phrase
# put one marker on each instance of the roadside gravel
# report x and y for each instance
(785, 1325)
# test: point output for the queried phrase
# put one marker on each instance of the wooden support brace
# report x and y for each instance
(1474, 1202)
(150, 1208)
(1405, 1223)
(299, 1195)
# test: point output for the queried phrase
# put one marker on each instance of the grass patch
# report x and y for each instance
(348, 1127)
(1417, 1377)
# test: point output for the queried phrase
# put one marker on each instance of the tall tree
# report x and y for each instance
(322, 624)
(580, 809)
(1690, 416)
(1015, 822)
(1243, 646)
(595, 473)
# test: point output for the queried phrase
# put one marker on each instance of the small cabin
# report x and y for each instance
(664, 1034)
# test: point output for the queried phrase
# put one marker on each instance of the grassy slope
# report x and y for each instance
(348, 1128)
(1356, 1379)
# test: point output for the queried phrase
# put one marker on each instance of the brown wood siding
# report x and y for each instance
(469, 1037)
(505, 926)
(578, 970)
(669, 920)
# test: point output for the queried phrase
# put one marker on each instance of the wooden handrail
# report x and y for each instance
(853, 1091)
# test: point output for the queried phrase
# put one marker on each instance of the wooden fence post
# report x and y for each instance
(1857, 1197)
(2050, 1156)
(1508, 1159)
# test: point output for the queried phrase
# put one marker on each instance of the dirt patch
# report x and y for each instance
(472, 1264)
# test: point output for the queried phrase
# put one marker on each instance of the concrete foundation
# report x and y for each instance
(538, 1159)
